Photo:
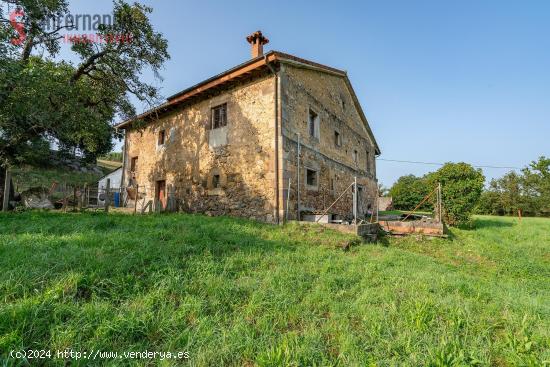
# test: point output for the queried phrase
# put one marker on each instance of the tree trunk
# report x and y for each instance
(3, 172)
(2, 184)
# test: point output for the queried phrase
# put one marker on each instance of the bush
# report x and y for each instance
(461, 186)
(408, 192)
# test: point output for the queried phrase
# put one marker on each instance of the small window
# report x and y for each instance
(219, 116)
(311, 177)
(313, 124)
(342, 102)
(337, 139)
(162, 137)
(216, 181)
(332, 185)
(355, 156)
(133, 164)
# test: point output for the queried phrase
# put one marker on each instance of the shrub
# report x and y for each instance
(462, 186)
(408, 192)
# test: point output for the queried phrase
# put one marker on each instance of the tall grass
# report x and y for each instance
(235, 292)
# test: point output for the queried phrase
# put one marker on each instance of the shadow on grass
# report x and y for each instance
(480, 223)
(184, 234)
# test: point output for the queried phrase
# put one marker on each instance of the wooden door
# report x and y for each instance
(161, 193)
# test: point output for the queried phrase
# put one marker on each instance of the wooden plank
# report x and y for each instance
(7, 189)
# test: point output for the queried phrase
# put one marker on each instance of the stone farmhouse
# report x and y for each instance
(234, 143)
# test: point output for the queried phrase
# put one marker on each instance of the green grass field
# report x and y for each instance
(234, 292)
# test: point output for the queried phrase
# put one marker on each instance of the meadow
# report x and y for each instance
(235, 292)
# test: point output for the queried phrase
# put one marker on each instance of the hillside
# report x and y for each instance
(235, 292)
(28, 177)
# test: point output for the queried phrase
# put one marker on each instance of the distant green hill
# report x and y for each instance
(28, 177)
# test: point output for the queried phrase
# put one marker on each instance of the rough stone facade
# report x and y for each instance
(188, 163)
(335, 162)
(252, 158)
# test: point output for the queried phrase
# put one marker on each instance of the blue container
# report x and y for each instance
(117, 199)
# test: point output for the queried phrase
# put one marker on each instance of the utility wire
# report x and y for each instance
(442, 164)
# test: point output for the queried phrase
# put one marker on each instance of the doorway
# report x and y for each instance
(160, 194)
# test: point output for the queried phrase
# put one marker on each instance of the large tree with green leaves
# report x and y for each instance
(74, 104)
(528, 191)
(461, 186)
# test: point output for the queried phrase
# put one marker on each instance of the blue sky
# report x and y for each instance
(438, 80)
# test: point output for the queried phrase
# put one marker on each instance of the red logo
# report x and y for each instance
(18, 26)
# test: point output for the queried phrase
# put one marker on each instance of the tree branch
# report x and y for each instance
(84, 66)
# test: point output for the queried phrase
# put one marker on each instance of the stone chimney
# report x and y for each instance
(257, 42)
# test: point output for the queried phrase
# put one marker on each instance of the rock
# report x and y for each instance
(35, 201)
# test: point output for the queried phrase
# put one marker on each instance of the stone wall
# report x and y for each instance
(242, 154)
(337, 165)
(192, 154)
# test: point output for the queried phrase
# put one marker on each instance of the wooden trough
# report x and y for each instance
(424, 227)
(368, 231)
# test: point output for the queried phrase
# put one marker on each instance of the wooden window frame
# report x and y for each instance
(161, 137)
(221, 112)
(337, 138)
(316, 182)
(133, 163)
(313, 124)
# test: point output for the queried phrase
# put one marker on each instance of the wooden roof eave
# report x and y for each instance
(209, 84)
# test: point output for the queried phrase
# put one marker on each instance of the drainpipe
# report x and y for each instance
(124, 152)
(276, 130)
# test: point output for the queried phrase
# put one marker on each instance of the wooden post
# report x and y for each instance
(107, 194)
(86, 199)
(355, 200)
(136, 199)
(79, 199)
(298, 174)
(519, 214)
(74, 198)
(440, 204)
(377, 204)
(7, 189)
(65, 204)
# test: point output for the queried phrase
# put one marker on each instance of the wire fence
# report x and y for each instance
(67, 197)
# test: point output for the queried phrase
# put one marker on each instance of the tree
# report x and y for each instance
(489, 203)
(461, 186)
(44, 100)
(536, 186)
(408, 191)
(528, 191)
